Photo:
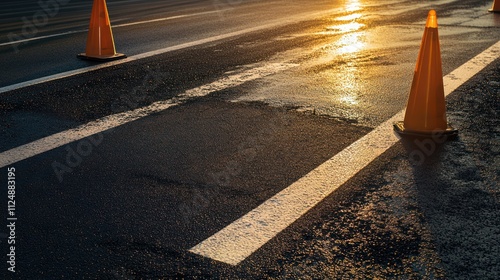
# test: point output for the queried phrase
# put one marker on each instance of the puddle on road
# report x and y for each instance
(342, 78)
(360, 73)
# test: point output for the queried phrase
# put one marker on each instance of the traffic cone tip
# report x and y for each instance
(431, 20)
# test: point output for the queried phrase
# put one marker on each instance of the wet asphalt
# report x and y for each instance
(132, 200)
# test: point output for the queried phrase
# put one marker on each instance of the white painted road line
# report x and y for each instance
(114, 26)
(42, 37)
(240, 239)
(162, 51)
(252, 72)
(128, 59)
(165, 19)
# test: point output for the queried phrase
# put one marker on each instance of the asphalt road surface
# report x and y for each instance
(245, 140)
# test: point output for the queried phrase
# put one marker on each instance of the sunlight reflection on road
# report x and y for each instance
(353, 6)
(348, 46)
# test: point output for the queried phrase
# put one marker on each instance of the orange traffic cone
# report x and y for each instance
(100, 43)
(426, 108)
(496, 7)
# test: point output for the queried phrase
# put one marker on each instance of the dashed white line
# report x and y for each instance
(240, 239)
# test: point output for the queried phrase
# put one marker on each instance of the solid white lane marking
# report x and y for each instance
(128, 59)
(62, 138)
(114, 26)
(162, 51)
(42, 37)
(241, 238)
(164, 19)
